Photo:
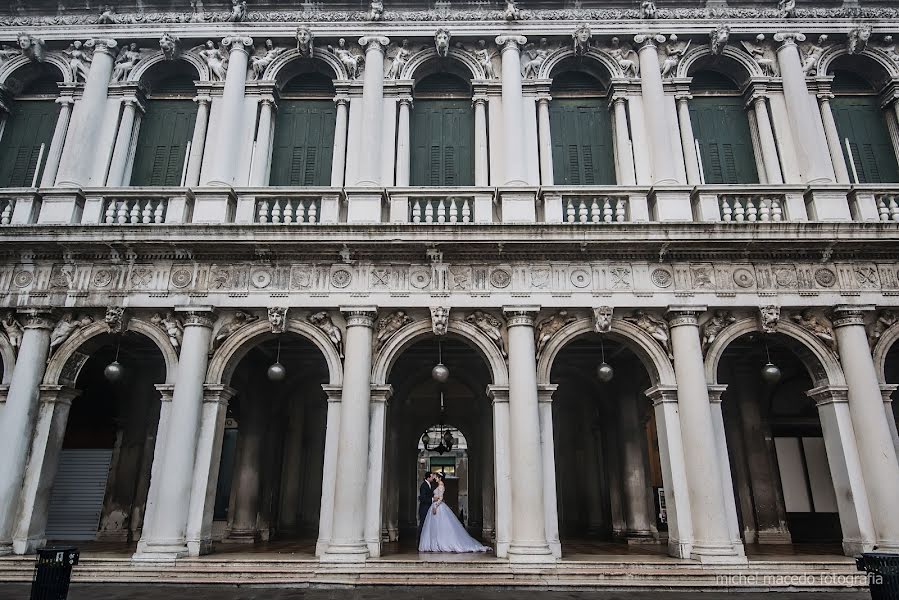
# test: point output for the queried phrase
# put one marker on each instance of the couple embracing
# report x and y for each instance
(439, 530)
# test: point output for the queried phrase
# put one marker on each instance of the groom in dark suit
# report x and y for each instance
(425, 497)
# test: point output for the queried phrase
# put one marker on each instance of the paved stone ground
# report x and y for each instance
(167, 592)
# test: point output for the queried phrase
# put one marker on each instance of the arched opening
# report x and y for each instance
(608, 468)
(861, 123)
(28, 127)
(721, 128)
(414, 409)
(581, 127)
(269, 483)
(303, 145)
(167, 126)
(103, 474)
(782, 481)
(442, 131)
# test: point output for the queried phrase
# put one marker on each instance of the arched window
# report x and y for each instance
(581, 131)
(721, 130)
(861, 126)
(28, 128)
(167, 126)
(442, 132)
(304, 132)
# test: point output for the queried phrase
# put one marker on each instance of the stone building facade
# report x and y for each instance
(702, 196)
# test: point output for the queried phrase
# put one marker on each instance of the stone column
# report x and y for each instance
(502, 464)
(374, 490)
(880, 467)
(119, 163)
(727, 478)
(292, 466)
(886, 390)
(372, 110)
(545, 139)
(766, 141)
(663, 170)
(712, 541)
(403, 141)
(528, 542)
(481, 154)
(260, 173)
(79, 154)
(223, 168)
(513, 147)
(338, 164)
(19, 418)
(252, 430)
(811, 149)
(548, 452)
(488, 486)
(688, 142)
(834, 144)
(633, 471)
(329, 469)
(198, 142)
(171, 488)
(348, 529)
(624, 153)
(596, 517)
(57, 143)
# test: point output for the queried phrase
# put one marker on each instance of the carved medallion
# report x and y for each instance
(301, 278)
(380, 277)
(620, 278)
(102, 278)
(420, 278)
(220, 278)
(744, 278)
(702, 277)
(825, 278)
(62, 277)
(181, 278)
(500, 278)
(461, 278)
(785, 277)
(540, 277)
(661, 278)
(866, 276)
(23, 278)
(141, 277)
(580, 278)
(341, 278)
(261, 278)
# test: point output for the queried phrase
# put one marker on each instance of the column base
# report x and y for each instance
(531, 554)
(640, 538)
(856, 547)
(679, 549)
(888, 546)
(718, 554)
(774, 536)
(28, 545)
(345, 553)
(556, 549)
(241, 536)
(199, 547)
(6, 549)
(321, 546)
(374, 549)
(160, 551)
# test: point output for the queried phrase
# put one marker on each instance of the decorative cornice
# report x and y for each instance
(359, 316)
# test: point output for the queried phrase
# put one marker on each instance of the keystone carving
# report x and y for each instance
(305, 41)
(718, 39)
(115, 319)
(769, 318)
(277, 318)
(602, 319)
(170, 46)
(440, 319)
(442, 39)
(238, 12)
(858, 39)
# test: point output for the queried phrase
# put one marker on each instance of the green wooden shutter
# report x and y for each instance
(860, 119)
(442, 133)
(166, 129)
(581, 133)
(721, 127)
(304, 143)
(29, 124)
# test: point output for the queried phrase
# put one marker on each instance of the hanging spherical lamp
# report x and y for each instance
(440, 373)
(771, 373)
(114, 372)
(605, 372)
(276, 372)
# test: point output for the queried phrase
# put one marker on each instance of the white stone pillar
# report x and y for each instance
(403, 141)
(481, 154)
(766, 141)
(329, 469)
(291, 469)
(374, 490)
(338, 163)
(545, 139)
(171, 489)
(688, 142)
(624, 152)
(260, 173)
(348, 529)
(252, 430)
(727, 491)
(513, 148)
(502, 468)
(76, 163)
(663, 169)
(880, 467)
(223, 168)
(712, 541)
(57, 143)
(548, 451)
(886, 390)
(811, 149)
(635, 486)
(834, 145)
(19, 417)
(528, 542)
(372, 110)
(119, 164)
(198, 142)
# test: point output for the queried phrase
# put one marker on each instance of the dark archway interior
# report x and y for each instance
(891, 375)
(171, 78)
(583, 70)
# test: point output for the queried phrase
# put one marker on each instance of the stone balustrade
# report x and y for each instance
(288, 206)
(7, 207)
(450, 206)
(752, 209)
(598, 205)
(750, 203)
(137, 206)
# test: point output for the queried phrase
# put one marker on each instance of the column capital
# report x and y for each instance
(218, 394)
(202, 100)
(58, 394)
(544, 99)
(545, 392)
(238, 43)
(683, 97)
(649, 39)
(788, 38)
(829, 394)
(269, 102)
(374, 42)
(662, 394)
(103, 46)
(520, 315)
(886, 390)
(334, 392)
(341, 100)
(166, 390)
(197, 316)
(406, 101)
(716, 392)
(684, 315)
(498, 394)
(479, 100)
(359, 316)
(510, 42)
(37, 318)
(380, 394)
(66, 101)
(844, 315)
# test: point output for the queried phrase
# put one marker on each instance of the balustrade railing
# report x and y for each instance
(607, 209)
(596, 205)
(751, 209)
(441, 210)
(7, 207)
(134, 211)
(288, 211)
(888, 207)
(440, 206)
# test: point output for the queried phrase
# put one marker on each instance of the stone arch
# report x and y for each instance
(698, 53)
(320, 54)
(228, 356)
(8, 357)
(567, 52)
(10, 67)
(880, 59)
(648, 350)
(414, 332)
(423, 57)
(881, 349)
(146, 65)
(822, 364)
(57, 364)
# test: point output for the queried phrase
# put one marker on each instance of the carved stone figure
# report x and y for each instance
(582, 37)
(769, 318)
(858, 39)
(647, 9)
(13, 330)
(240, 319)
(760, 56)
(626, 58)
(885, 319)
(537, 58)
(128, 58)
(238, 11)
(548, 327)
(389, 325)
(170, 46)
(323, 321)
(720, 319)
(674, 52)
(349, 60)
(115, 319)
(511, 13)
(654, 326)
(490, 325)
(786, 8)
(172, 326)
(277, 318)
(66, 326)
(107, 17)
(718, 39)
(376, 10)
(258, 64)
(485, 59)
(808, 320)
(305, 41)
(442, 41)
(439, 319)
(602, 319)
(889, 48)
(78, 61)
(399, 61)
(7, 52)
(31, 46)
(215, 60)
(813, 56)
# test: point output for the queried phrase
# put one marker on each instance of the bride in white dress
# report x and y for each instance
(443, 532)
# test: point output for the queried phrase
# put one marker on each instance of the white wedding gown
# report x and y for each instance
(444, 532)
